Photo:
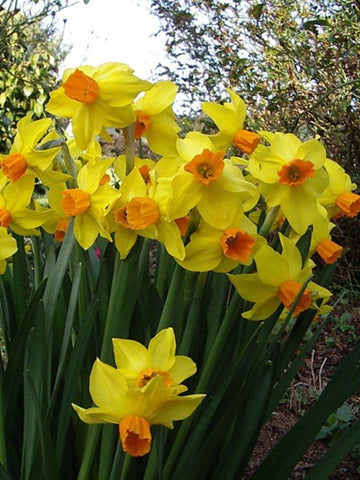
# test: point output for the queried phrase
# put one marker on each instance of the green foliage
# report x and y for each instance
(30, 54)
(296, 64)
(337, 422)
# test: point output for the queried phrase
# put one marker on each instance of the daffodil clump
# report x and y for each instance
(212, 229)
(191, 181)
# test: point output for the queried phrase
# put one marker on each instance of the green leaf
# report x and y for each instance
(344, 413)
(247, 427)
(336, 453)
(289, 450)
(3, 474)
(75, 367)
(257, 10)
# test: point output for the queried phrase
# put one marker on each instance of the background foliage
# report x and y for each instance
(295, 64)
(30, 53)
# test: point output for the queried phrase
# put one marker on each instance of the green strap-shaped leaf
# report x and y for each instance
(247, 427)
(3, 474)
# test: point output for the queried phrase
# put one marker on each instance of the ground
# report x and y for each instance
(341, 334)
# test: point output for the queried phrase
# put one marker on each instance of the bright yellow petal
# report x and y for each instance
(186, 194)
(108, 388)
(250, 287)
(273, 268)
(193, 144)
(86, 229)
(158, 98)
(262, 310)
(8, 245)
(161, 351)
(124, 241)
(182, 369)
(95, 415)
(129, 354)
(62, 105)
(217, 207)
(169, 235)
(177, 409)
(224, 118)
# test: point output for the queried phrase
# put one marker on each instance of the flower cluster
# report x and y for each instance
(143, 390)
(202, 205)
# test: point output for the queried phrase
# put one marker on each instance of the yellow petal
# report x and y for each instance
(162, 350)
(129, 354)
(108, 388)
(95, 415)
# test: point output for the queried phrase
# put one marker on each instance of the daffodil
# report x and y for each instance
(291, 175)
(135, 408)
(140, 364)
(95, 98)
(141, 210)
(209, 182)
(155, 119)
(278, 280)
(321, 241)
(14, 200)
(27, 155)
(338, 198)
(88, 202)
(222, 250)
(229, 118)
(7, 248)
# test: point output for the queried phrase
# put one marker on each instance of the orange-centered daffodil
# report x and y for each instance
(290, 175)
(143, 390)
(270, 287)
(95, 98)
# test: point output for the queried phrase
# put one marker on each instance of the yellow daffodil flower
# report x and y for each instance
(140, 364)
(88, 203)
(291, 175)
(141, 210)
(278, 280)
(155, 119)
(7, 248)
(96, 97)
(321, 241)
(208, 181)
(24, 158)
(338, 198)
(135, 409)
(14, 200)
(229, 118)
(222, 250)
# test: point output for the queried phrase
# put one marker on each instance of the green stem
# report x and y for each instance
(37, 261)
(210, 365)
(193, 316)
(268, 222)
(129, 138)
(106, 457)
(171, 305)
(126, 467)
(89, 452)
(3, 458)
(69, 165)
